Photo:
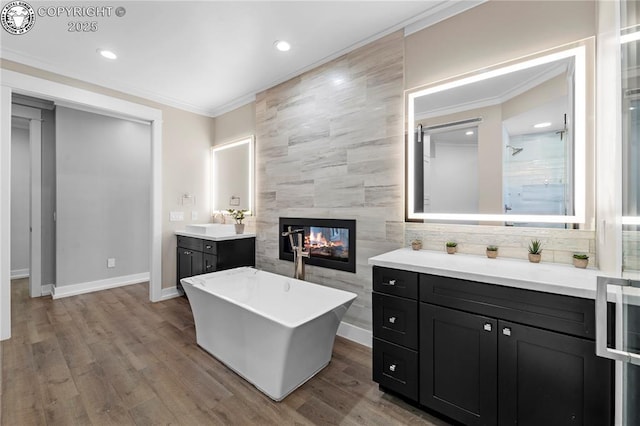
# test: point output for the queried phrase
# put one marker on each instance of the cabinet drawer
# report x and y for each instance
(395, 368)
(209, 247)
(555, 312)
(395, 319)
(395, 282)
(190, 243)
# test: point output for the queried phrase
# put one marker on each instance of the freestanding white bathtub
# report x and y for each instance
(274, 331)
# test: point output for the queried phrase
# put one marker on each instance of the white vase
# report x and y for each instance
(239, 228)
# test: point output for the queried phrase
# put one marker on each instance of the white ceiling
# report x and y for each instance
(211, 56)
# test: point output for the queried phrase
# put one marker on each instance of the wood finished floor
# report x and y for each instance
(112, 357)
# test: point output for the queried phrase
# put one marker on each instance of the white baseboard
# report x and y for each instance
(46, 289)
(355, 334)
(88, 287)
(19, 273)
(169, 293)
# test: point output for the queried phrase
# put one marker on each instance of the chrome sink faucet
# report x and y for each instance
(298, 251)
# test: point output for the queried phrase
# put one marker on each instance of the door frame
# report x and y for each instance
(14, 82)
(35, 195)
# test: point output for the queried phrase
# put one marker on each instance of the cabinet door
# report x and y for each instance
(209, 263)
(549, 378)
(458, 364)
(189, 264)
(235, 253)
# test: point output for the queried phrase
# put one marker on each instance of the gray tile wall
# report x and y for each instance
(329, 144)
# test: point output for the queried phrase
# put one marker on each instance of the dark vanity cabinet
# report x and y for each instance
(496, 355)
(197, 256)
(395, 330)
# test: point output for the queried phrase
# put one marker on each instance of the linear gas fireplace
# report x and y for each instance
(331, 243)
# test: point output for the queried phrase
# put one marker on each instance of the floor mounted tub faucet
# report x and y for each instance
(298, 251)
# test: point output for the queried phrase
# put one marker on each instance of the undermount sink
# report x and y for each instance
(215, 229)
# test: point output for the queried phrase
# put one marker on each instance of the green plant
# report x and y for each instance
(492, 248)
(238, 215)
(535, 247)
(452, 244)
(580, 256)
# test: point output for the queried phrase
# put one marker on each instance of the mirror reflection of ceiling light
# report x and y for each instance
(469, 133)
(282, 45)
(542, 125)
(627, 38)
(107, 54)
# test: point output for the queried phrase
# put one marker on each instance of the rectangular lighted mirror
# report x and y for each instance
(232, 171)
(507, 144)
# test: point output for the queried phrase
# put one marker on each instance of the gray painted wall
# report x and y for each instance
(48, 197)
(20, 191)
(103, 205)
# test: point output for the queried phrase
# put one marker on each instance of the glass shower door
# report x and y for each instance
(625, 294)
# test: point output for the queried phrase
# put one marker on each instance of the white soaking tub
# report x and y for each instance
(274, 331)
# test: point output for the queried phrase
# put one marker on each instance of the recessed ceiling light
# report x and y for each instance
(107, 54)
(469, 133)
(632, 108)
(282, 45)
(542, 125)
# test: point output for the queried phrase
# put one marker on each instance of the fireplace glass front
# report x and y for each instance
(330, 242)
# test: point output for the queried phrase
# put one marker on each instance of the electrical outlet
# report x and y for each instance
(176, 216)
(111, 262)
(194, 215)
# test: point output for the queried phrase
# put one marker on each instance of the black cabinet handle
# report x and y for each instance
(208, 266)
(208, 247)
(392, 368)
(187, 253)
(392, 320)
(487, 326)
(391, 282)
(506, 331)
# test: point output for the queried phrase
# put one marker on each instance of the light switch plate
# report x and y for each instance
(194, 215)
(176, 216)
(111, 262)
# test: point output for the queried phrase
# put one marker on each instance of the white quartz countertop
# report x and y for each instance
(546, 277)
(224, 237)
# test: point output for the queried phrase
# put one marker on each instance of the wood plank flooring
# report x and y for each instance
(112, 357)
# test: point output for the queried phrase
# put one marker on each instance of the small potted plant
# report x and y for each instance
(535, 251)
(492, 252)
(416, 244)
(238, 216)
(580, 260)
(451, 247)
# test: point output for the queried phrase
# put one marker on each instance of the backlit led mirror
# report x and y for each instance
(232, 171)
(504, 145)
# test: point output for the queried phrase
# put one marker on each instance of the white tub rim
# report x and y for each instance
(197, 282)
